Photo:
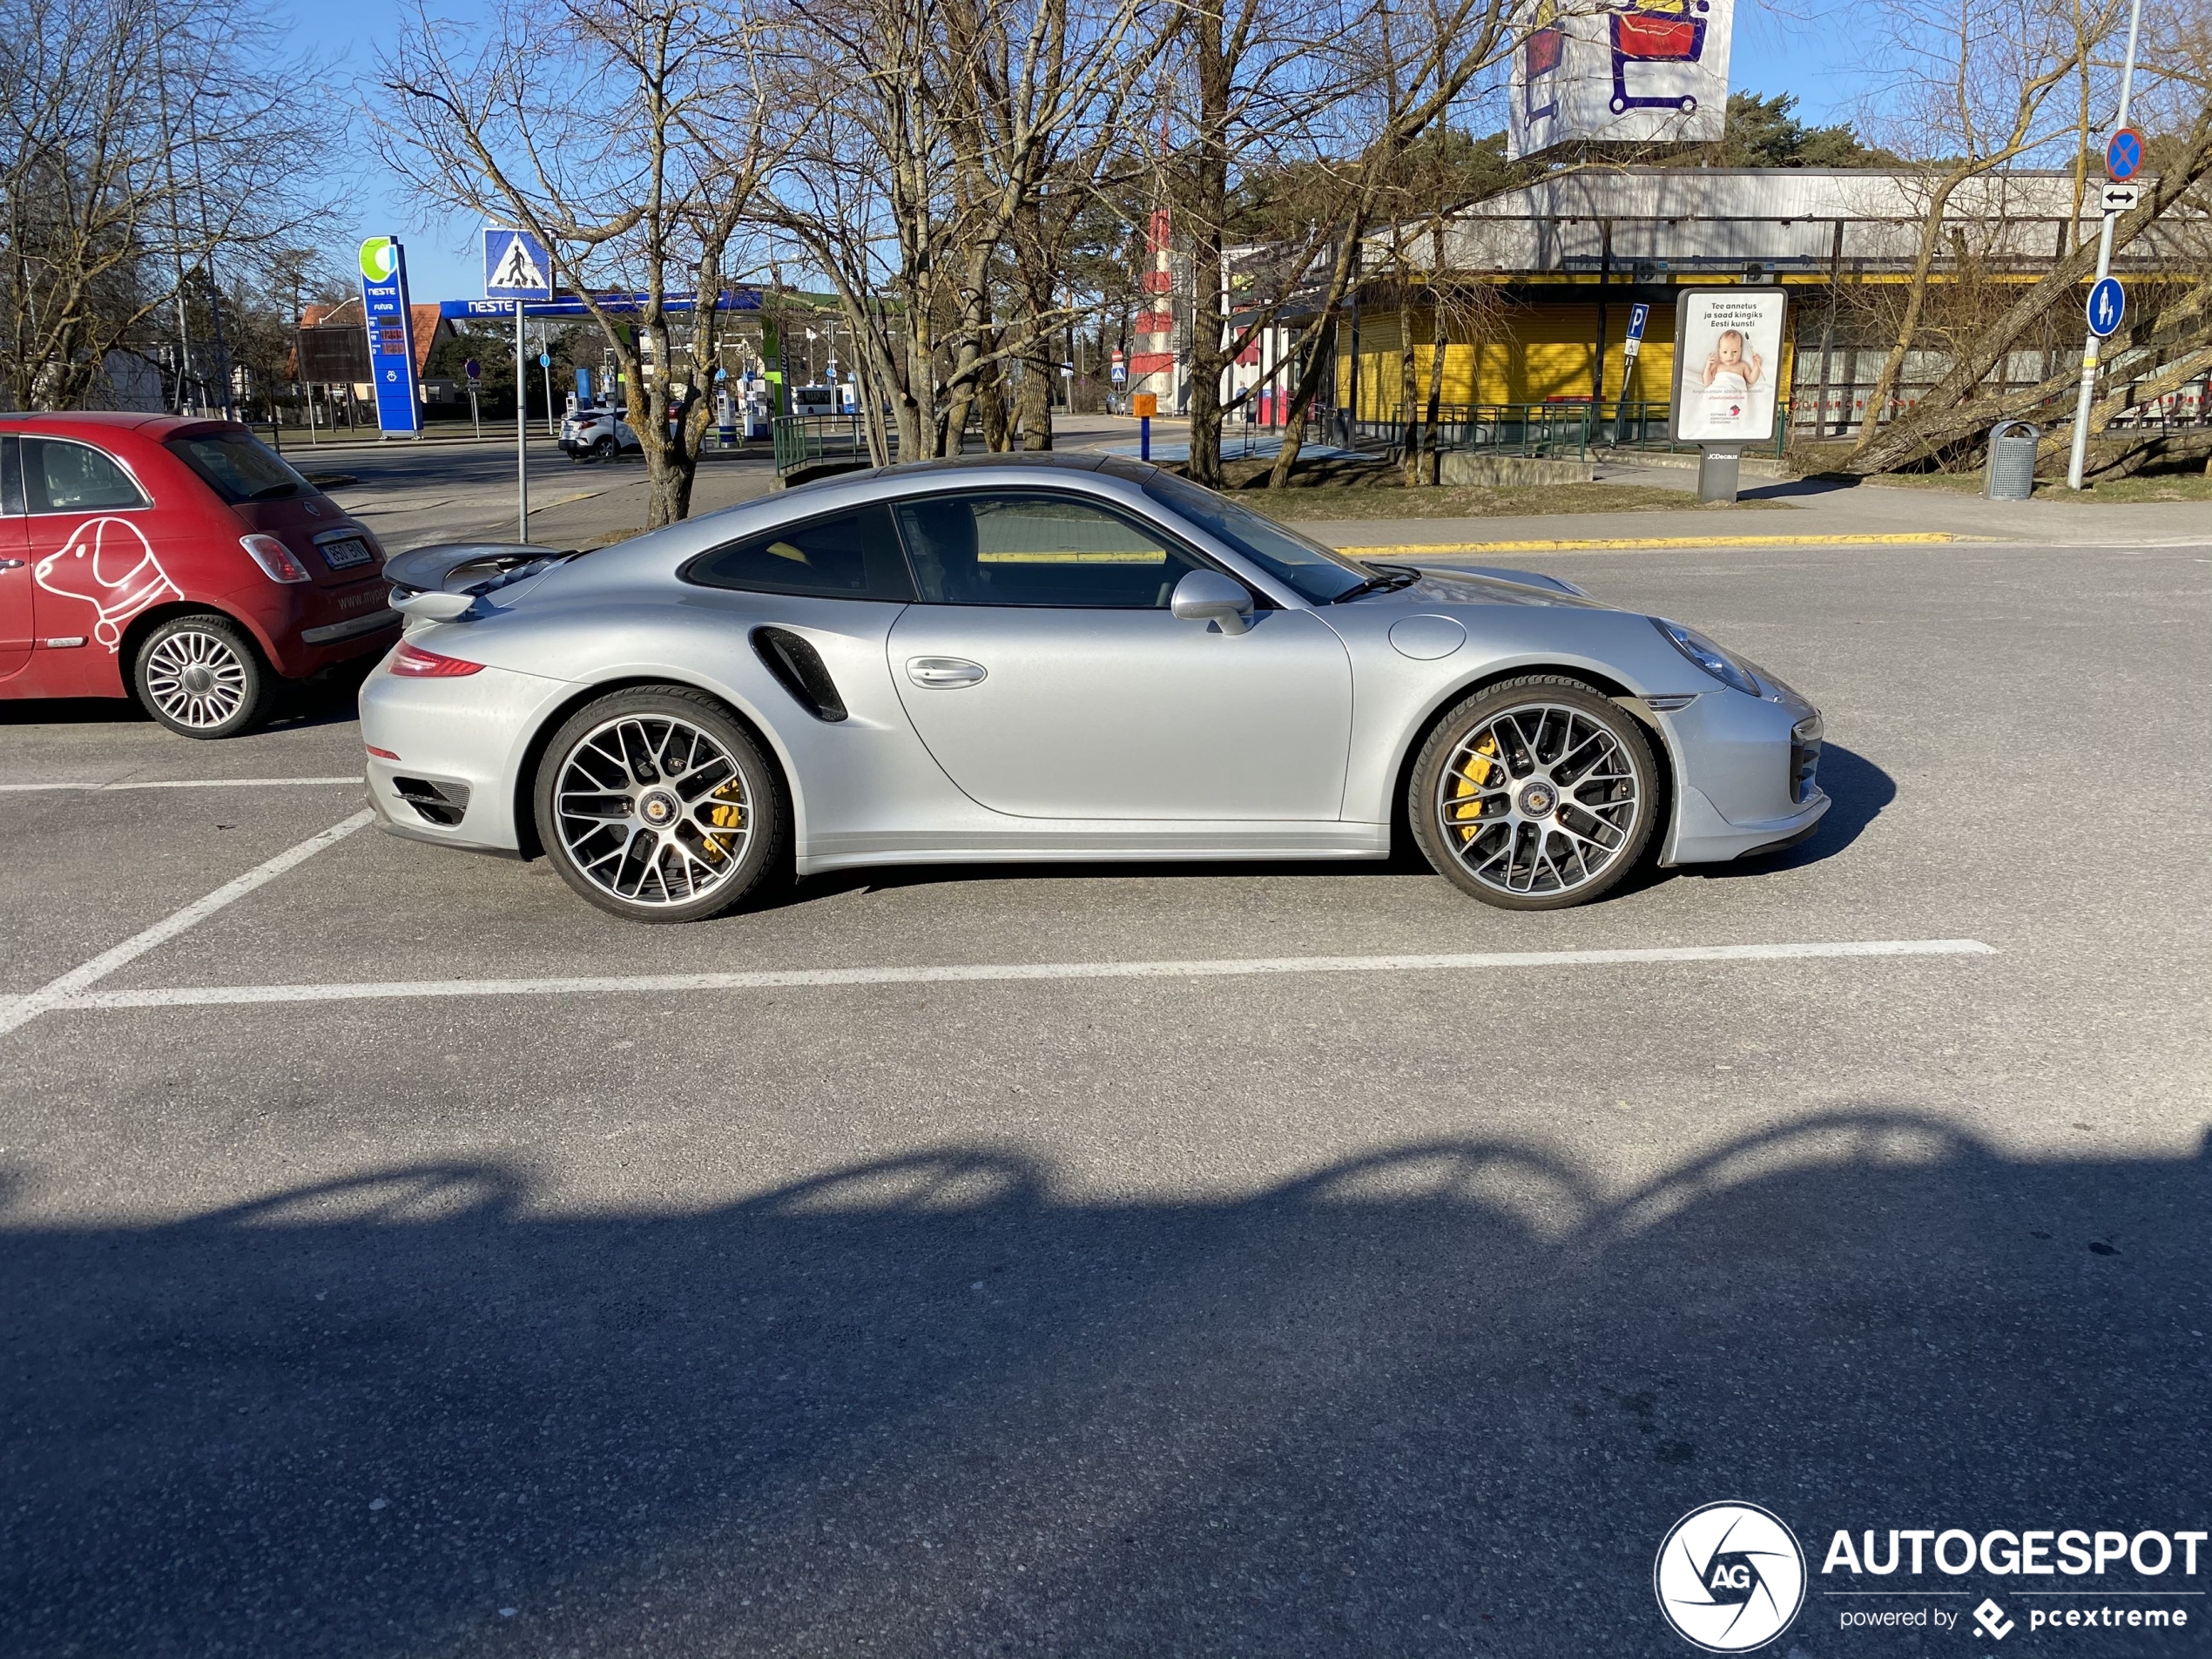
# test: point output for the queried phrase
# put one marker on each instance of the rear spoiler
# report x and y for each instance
(443, 583)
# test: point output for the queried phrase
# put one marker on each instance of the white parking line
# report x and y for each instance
(190, 782)
(778, 978)
(56, 992)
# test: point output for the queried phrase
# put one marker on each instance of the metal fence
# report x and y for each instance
(1559, 430)
(1564, 428)
(802, 439)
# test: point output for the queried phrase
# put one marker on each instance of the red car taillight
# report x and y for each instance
(274, 558)
(413, 662)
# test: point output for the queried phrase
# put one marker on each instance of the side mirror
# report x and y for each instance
(1208, 596)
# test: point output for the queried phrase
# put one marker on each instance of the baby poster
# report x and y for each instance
(1728, 356)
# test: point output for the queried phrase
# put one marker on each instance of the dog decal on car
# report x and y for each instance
(109, 565)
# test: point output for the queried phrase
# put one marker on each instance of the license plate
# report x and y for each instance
(345, 553)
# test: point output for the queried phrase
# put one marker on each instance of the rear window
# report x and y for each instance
(851, 556)
(239, 467)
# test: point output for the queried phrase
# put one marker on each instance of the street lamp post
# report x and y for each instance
(2092, 345)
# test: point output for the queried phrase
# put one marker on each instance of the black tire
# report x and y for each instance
(619, 749)
(604, 448)
(201, 676)
(1568, 813)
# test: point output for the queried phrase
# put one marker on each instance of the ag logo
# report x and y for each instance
(1729, 1577)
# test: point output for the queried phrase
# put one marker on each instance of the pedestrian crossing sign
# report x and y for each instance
(515, 265)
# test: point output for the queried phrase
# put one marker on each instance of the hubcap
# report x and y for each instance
(653, 810)
(1540, 800)
(196, 678)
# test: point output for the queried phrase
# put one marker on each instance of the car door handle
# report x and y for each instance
(10, 564)
(943, 673)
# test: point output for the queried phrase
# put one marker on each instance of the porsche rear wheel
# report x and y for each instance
(656, 806)
(1535, 794)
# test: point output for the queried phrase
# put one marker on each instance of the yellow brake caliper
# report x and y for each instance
(726, 814)
(1471, 777)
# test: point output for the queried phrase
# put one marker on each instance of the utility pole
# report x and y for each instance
(176, 232)
(2090, 348)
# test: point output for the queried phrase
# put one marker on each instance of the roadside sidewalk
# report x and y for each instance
(1809, 512)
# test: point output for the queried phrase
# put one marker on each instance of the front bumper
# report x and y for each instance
(1745, 781)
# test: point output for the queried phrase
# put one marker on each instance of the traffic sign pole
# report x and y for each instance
(2087, 396)
(522, 434)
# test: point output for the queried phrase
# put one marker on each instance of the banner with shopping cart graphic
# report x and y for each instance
(1618, 71)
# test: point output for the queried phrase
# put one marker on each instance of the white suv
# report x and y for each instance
(600, 433)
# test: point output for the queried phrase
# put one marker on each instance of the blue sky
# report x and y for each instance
(1807, 50)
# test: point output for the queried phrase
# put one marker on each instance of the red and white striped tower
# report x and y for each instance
(1151, 363)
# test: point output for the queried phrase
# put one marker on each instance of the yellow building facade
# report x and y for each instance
(1537, 345)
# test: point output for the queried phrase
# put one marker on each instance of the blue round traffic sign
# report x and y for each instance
(2123, 155)
(2108, 305)
(543, 361)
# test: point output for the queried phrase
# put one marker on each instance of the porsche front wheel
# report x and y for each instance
(656, 806)
(1535, 794)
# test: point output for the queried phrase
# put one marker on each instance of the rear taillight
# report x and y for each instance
(413, 663)
(274, 558)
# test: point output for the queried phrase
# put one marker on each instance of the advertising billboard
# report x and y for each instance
(1728, 356)
(1618, 71)
(391, 336)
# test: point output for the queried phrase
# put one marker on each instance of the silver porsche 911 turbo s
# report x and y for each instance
(1054, 657)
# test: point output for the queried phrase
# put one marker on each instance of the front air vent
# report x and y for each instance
(1804, 758)
(440, 804)
(799, 670)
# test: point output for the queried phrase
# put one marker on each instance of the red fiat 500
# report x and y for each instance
(181, 562)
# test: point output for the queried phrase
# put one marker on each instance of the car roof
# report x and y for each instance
(156, 427)
(1044, 458)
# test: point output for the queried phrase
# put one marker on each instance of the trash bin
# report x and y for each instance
(2012, 461)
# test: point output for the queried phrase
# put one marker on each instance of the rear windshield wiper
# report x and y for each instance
(272, 492)
(1394, 577)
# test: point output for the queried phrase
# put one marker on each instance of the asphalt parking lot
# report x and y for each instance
(1364, 1307)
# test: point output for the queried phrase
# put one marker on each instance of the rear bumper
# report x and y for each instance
(304, 628)
(461, 746)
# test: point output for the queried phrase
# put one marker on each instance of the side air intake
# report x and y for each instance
(800, 669)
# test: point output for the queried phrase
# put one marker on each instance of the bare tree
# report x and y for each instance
(2173, 90)
(929, 127)
(646, 195)
(1981, 80)
(138, 140)
(1426, 56)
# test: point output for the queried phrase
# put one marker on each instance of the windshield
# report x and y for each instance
(239, 467)
(1306, 568)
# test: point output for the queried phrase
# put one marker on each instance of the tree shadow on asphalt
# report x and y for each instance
(1443, 1399)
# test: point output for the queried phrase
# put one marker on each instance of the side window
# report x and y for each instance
(851, 556)
(11, 478)
(1037, 549)
(65, 477)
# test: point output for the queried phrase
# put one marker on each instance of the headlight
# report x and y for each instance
(1730, 671)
